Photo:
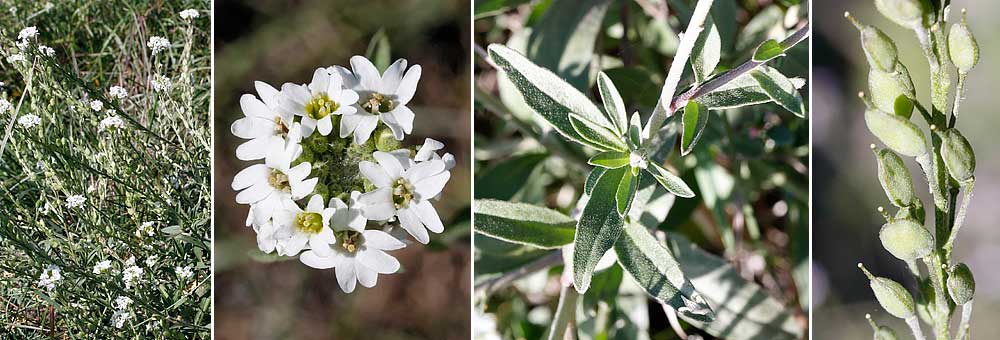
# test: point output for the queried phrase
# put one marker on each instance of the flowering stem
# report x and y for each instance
(565, 313)
(960, 218)
(13, 115)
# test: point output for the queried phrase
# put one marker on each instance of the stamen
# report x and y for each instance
(279, 180)
(321, 106)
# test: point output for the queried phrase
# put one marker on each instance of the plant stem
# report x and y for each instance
(960, 218)
(940, 312)
(963, 327)
(927, 164)
(915, 327)
(492, 285)
(13, 115)
(959, 92)
(565, 313)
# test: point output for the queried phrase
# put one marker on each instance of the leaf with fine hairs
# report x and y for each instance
(598, 228)
(780, 89)
(523, 223)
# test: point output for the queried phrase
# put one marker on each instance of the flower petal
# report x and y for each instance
(378, 261)
(347, 276)
(367, 276)
(411, 223)
(429, 216)
(408, 85)
(304, 188)
(311, 259)
(253, 149)
(325, 125)
(377, 205)
(392, 76)
(256, 173)
(375, 174)
(389, 163)
(254, 193)
(424, 170)
(367, 74)
(315, 204)
(431, 186)
(428, 149)
(404, 116)
(268, 94)
(381, 240)
(320, 81)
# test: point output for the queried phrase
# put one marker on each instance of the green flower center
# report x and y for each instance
(402, 193)
(280, 127)
(309, 222)
(279, 180)
(350, 240)
(377, 103)
(321, 106)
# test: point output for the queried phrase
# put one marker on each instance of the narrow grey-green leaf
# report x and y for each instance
(635, 130)
(610, 159)
(523, 223)
(614, 107)
(780, 89)
(707, 52)
(379, 50)
(742, 91)
(564, 37)
(598, 229)
(600, 138)
(657, 272)
(767, 50)
(693, 124)
(669, 181)
(592, 178)
(626, 192)
(546, 93)
(505, 179)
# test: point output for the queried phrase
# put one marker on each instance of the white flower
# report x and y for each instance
(118, 92)
(29, 121)
(404, 191)
(28, 33)
(262, 120)
(266, 240)
(131, 274)
(184, 272)
(17, 57)
(157, 44)
(122, 302)
(146, 228)
(484, 326)
(47, 51)
(50, 277)
(160, 83)
(120, 317)
(96, 105)
(5, 106)
(382, 98)
(297, 228)
(189, 14)
(636, 160)
(75, 201)
(428, 151)
(110, 122)
(323, 97)
(268, 185)
(102, 267)
(151, 261)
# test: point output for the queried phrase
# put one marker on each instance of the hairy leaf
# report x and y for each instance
(707, 52)
(610, 159)
(693, 123)
(597, 135)
(523, 223)
(626, 192)
(598, 229)
(780, 89)
(742, 91)
(669, 181)
(614, 107)
(767, 50)
(592, 178)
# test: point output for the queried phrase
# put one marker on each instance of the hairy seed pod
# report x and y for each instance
(885, 88)
(961, 285)
(895, 178)
(891, 295)
(897, 133)
(962, 47)
(906, 13)
(906, 239)
(879, 48)
(957, 155)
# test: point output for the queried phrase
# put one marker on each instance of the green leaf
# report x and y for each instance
(626, 192)
(614, 107)
(669, 181)
(564, 38)
(610, 159)
(693, 124)
(903, 107)
(768, 50)
(657, 272)
(707, 52)
(486, 8)
(592, 178)
(635, 130)
(548, 95)
(780, 89)
(522, 223)
(601, 138)
(379, 50)
(742, 91)
(599, 227)
(505, 179)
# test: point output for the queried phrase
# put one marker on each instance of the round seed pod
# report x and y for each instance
(885, 88)
(906, 239)
(879, 48)
(895, 178)
(891, 295)
(961, 285)
(897, 133)
(962, 47)
(957, 155)
(906, 13)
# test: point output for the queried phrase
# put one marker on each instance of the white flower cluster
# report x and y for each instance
(160, 83)
(157, 44)
(189, 14)
(75, 201)
(96, 105)
(328, 191)
(184, 272)
(145, 229)
(122, 314)
(5, 105)
(30, 32)
(29, 121)
(110, 122)
(118, 92)
(50, 277)
(132, 273)
(102, 267)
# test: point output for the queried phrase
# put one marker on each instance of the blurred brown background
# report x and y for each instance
(845, 185)
(280, 41)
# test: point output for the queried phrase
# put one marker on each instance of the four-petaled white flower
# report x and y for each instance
(382, 98)
(297, 228)
(317, 102)
(157, 44)
(267, 186)
(189, 14)
(404, 191)
(118, 92)
(50, 276)
(160, 83)
(184, 272)
(29, 32)
(102, 267)
(110, 122)
(75, 201)
(29, 121)
(121, 315)
(261, 122)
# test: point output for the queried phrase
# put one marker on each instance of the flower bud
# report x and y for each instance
(906, 13)
(897, 133)
(385, 141)
(891, 295)
(906, 239)
(961, 286)
(886, 87)
(895, 178)
(879, 48)
(962, 47)
(957, 155)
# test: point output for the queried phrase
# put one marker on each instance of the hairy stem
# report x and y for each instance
(565, 313)
(927, 165)
(960, 217)
(959, 92)
(915, 328)
(963, 327)
(493, 285)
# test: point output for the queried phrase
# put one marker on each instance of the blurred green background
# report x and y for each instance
(280, 41)
(845, 222)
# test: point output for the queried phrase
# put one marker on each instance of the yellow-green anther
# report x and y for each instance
(350, 240)
(957, 155)
(886, 87)
(897, 133)
(377, 103)
(962, 47)
(881, 332)
(278, 180)
(906, 239)
(906, 13)
(961, 285)
(402, 193)
(879, 48)
(891, 295)
(895, 178)
(309, 222)
(321, 106)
